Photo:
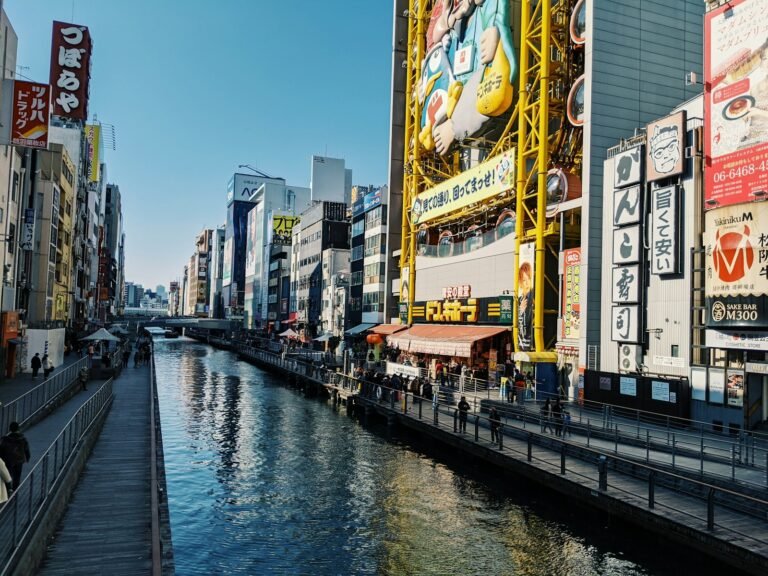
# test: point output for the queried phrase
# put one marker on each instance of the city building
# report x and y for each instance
(199, 293)
(215, 273)
(493, 198)
(324, 225)
(330, 180)
(369, 257)
(335, 281)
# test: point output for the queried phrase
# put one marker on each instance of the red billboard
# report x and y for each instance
(31, 114)
(70, 70)
(736, 103)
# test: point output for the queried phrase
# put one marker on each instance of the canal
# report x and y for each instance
(264, 481)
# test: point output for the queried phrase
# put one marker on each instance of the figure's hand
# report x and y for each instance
(489, 40)
(444, 136)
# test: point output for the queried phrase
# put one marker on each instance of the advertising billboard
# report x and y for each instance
(242, 186)
(250, 244)
(571, 296)
(736, 278)
(226, 274)
(31, 114)
(466, 77)
(282, 229)
(525, 290)
(665, 143)
(736, 103)
(93, 135)
(474, 185)
(70, 70)
(372, 199)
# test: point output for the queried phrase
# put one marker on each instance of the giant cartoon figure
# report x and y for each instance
(468, 73)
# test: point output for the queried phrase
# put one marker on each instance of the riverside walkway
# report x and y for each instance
(652, 487)
(112, 521)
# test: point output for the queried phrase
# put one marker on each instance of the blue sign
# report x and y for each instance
(372, 199)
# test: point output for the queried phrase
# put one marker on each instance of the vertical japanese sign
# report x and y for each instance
(571, 293)
(70, 70)
(28, 231)
(735, 103)
(665, 142)
(93, 136)
(628, 167)
(625, 283)
(664, 230)
(525, 291)
(625, 324)
(736, 277)
(31, 114)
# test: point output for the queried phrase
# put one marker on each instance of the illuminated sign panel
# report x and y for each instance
(477, 184)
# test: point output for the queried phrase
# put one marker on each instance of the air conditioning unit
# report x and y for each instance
(630, 357)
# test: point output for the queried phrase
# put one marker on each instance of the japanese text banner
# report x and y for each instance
(70, 70)
(31, 114)
(484, 181)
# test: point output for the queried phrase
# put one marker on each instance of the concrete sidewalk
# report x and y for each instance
(107, 526)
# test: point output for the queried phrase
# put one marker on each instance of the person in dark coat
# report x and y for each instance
(14, 451)
(495, 420)
(36, 364)
(463, 410)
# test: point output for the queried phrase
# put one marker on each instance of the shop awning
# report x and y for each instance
(387, 329)
(324, 337)
(358, 329)
(536, 357)
(442, 340)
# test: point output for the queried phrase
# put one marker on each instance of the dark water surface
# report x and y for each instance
(264, 481)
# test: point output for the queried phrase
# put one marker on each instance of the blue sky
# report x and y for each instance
(195, 88)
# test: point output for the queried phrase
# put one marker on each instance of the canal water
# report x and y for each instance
(264, 481)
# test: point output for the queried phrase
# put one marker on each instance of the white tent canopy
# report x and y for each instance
(289, 333)
(102, 334)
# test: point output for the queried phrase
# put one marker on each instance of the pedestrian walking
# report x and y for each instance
(83, 377)
(557, 416)
(14, 451)
(463, 410)
(36, 363)
(6, 482)
(495, 420)
(566, 423)
(47, 366)
(546, 417)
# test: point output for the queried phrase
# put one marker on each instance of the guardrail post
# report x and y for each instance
(405, 402)
(711, 509)
(647, 445)
(530, 446)
(733, 462)
(701, 463)
(638, 424)
(589, 431)
(434, 410)
(652, 489)
(562, 458)
(501, 436)
(616, 440)
(392, 398)
(674, 446)
(477, 428)
(455, 420)
(420, 408)
(602, 470)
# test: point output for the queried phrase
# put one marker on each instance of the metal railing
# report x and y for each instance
(19, 514)
(29, 404)
(447, 418)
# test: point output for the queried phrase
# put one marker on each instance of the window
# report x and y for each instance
(375, 245)
(371, 302)
(357, 278)
(374, 273)
(15, 186)
(11, 237)
(357, 252)
(358, 227)
(675, 351)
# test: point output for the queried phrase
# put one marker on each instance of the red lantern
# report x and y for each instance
(373, 339)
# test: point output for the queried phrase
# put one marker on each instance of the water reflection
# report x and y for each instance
(264, 481)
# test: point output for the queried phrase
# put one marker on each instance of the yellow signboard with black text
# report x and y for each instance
(477, 184)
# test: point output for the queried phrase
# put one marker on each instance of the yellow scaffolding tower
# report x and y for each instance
(541, 122)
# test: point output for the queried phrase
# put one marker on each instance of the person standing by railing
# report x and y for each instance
(495, 420)
(14, 451)
(463, 411)
(35, 363)
(47, 366)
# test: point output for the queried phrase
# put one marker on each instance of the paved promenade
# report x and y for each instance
(106, 528)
